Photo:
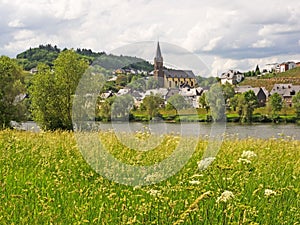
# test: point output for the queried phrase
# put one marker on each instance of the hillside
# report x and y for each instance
(47, 54)
(268, 81)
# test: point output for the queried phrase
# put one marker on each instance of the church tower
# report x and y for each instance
(158, 67)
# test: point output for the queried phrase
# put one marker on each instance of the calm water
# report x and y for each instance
(264, 131)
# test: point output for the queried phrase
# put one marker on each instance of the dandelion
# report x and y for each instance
(269, 192)
(225, 196)
(204, 163)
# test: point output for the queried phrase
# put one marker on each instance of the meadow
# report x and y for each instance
(45, 180)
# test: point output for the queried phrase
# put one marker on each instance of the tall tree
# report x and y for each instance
(52, 91)
(276, 104)
(248, 103)
(216, 102)
(12, 90)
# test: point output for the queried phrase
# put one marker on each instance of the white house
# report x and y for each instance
(232, 77)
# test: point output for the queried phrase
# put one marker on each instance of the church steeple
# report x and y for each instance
(158, 56)
(158, 67)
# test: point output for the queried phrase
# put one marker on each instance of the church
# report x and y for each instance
(170, 78)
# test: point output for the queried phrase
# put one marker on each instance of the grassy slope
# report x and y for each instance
(291, 76)
(44, 180)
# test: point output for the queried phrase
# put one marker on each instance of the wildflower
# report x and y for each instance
(194, 182)
(225, 196)
(248, 155)
(154, 192)
(204, 163)
(244, 161)
(269, 192)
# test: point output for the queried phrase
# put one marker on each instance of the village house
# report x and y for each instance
(260, 92)
(285, 66)
(286, 91)
(232, 77)
(170, 78)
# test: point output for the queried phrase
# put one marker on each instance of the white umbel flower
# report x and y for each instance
(248, 155)
(204, 163)
(269, 192)
(225, 196)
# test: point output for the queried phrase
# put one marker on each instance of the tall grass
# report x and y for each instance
(45, 180)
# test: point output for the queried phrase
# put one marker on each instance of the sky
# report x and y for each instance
(234, 34)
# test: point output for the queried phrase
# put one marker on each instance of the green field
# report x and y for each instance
(45, 180)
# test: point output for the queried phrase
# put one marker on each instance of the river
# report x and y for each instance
(264, 131)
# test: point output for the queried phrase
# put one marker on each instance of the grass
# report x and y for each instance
(289, 77)
(45, 180)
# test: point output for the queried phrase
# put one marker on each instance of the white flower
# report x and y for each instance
(225, 196)
(154, 192)
(248, 155)
(194, 182)
(204, 163)
(269, 192)
(244, 161)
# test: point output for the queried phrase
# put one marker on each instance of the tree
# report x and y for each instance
(276, 104)
(216, 102)
(151, 103)
(104, 108)
(152, 83)
(257, 70)
(121, 107)
(228, 91)
(52, 91)
(296, 104)
(203, 102)
(137, 84)
(177, 102)
(248, 103)
(12, 90)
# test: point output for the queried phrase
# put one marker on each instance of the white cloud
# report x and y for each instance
(232, 33)
(264, 43)
(16, 24)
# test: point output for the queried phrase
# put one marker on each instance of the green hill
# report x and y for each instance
(47, 54)
(289, 77)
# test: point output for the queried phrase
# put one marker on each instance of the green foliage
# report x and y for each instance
(177, 102)
(247, 103)
(47, 54)
(137, 85)
(216, 101)
(121, 106)
(33, 56)
(52, 92)
(104, 108)
(206, 82)
(228, 91)
(152, 83)
(151, 104)
(276, 104)
(296, 104)
(12, 91)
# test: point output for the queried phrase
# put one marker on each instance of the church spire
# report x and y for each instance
(158, 56)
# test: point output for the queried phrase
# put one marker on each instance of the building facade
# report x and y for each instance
(169, 78)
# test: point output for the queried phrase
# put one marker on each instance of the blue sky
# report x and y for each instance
(224, 34)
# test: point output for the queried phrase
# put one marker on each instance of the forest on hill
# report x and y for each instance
(30, 58)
